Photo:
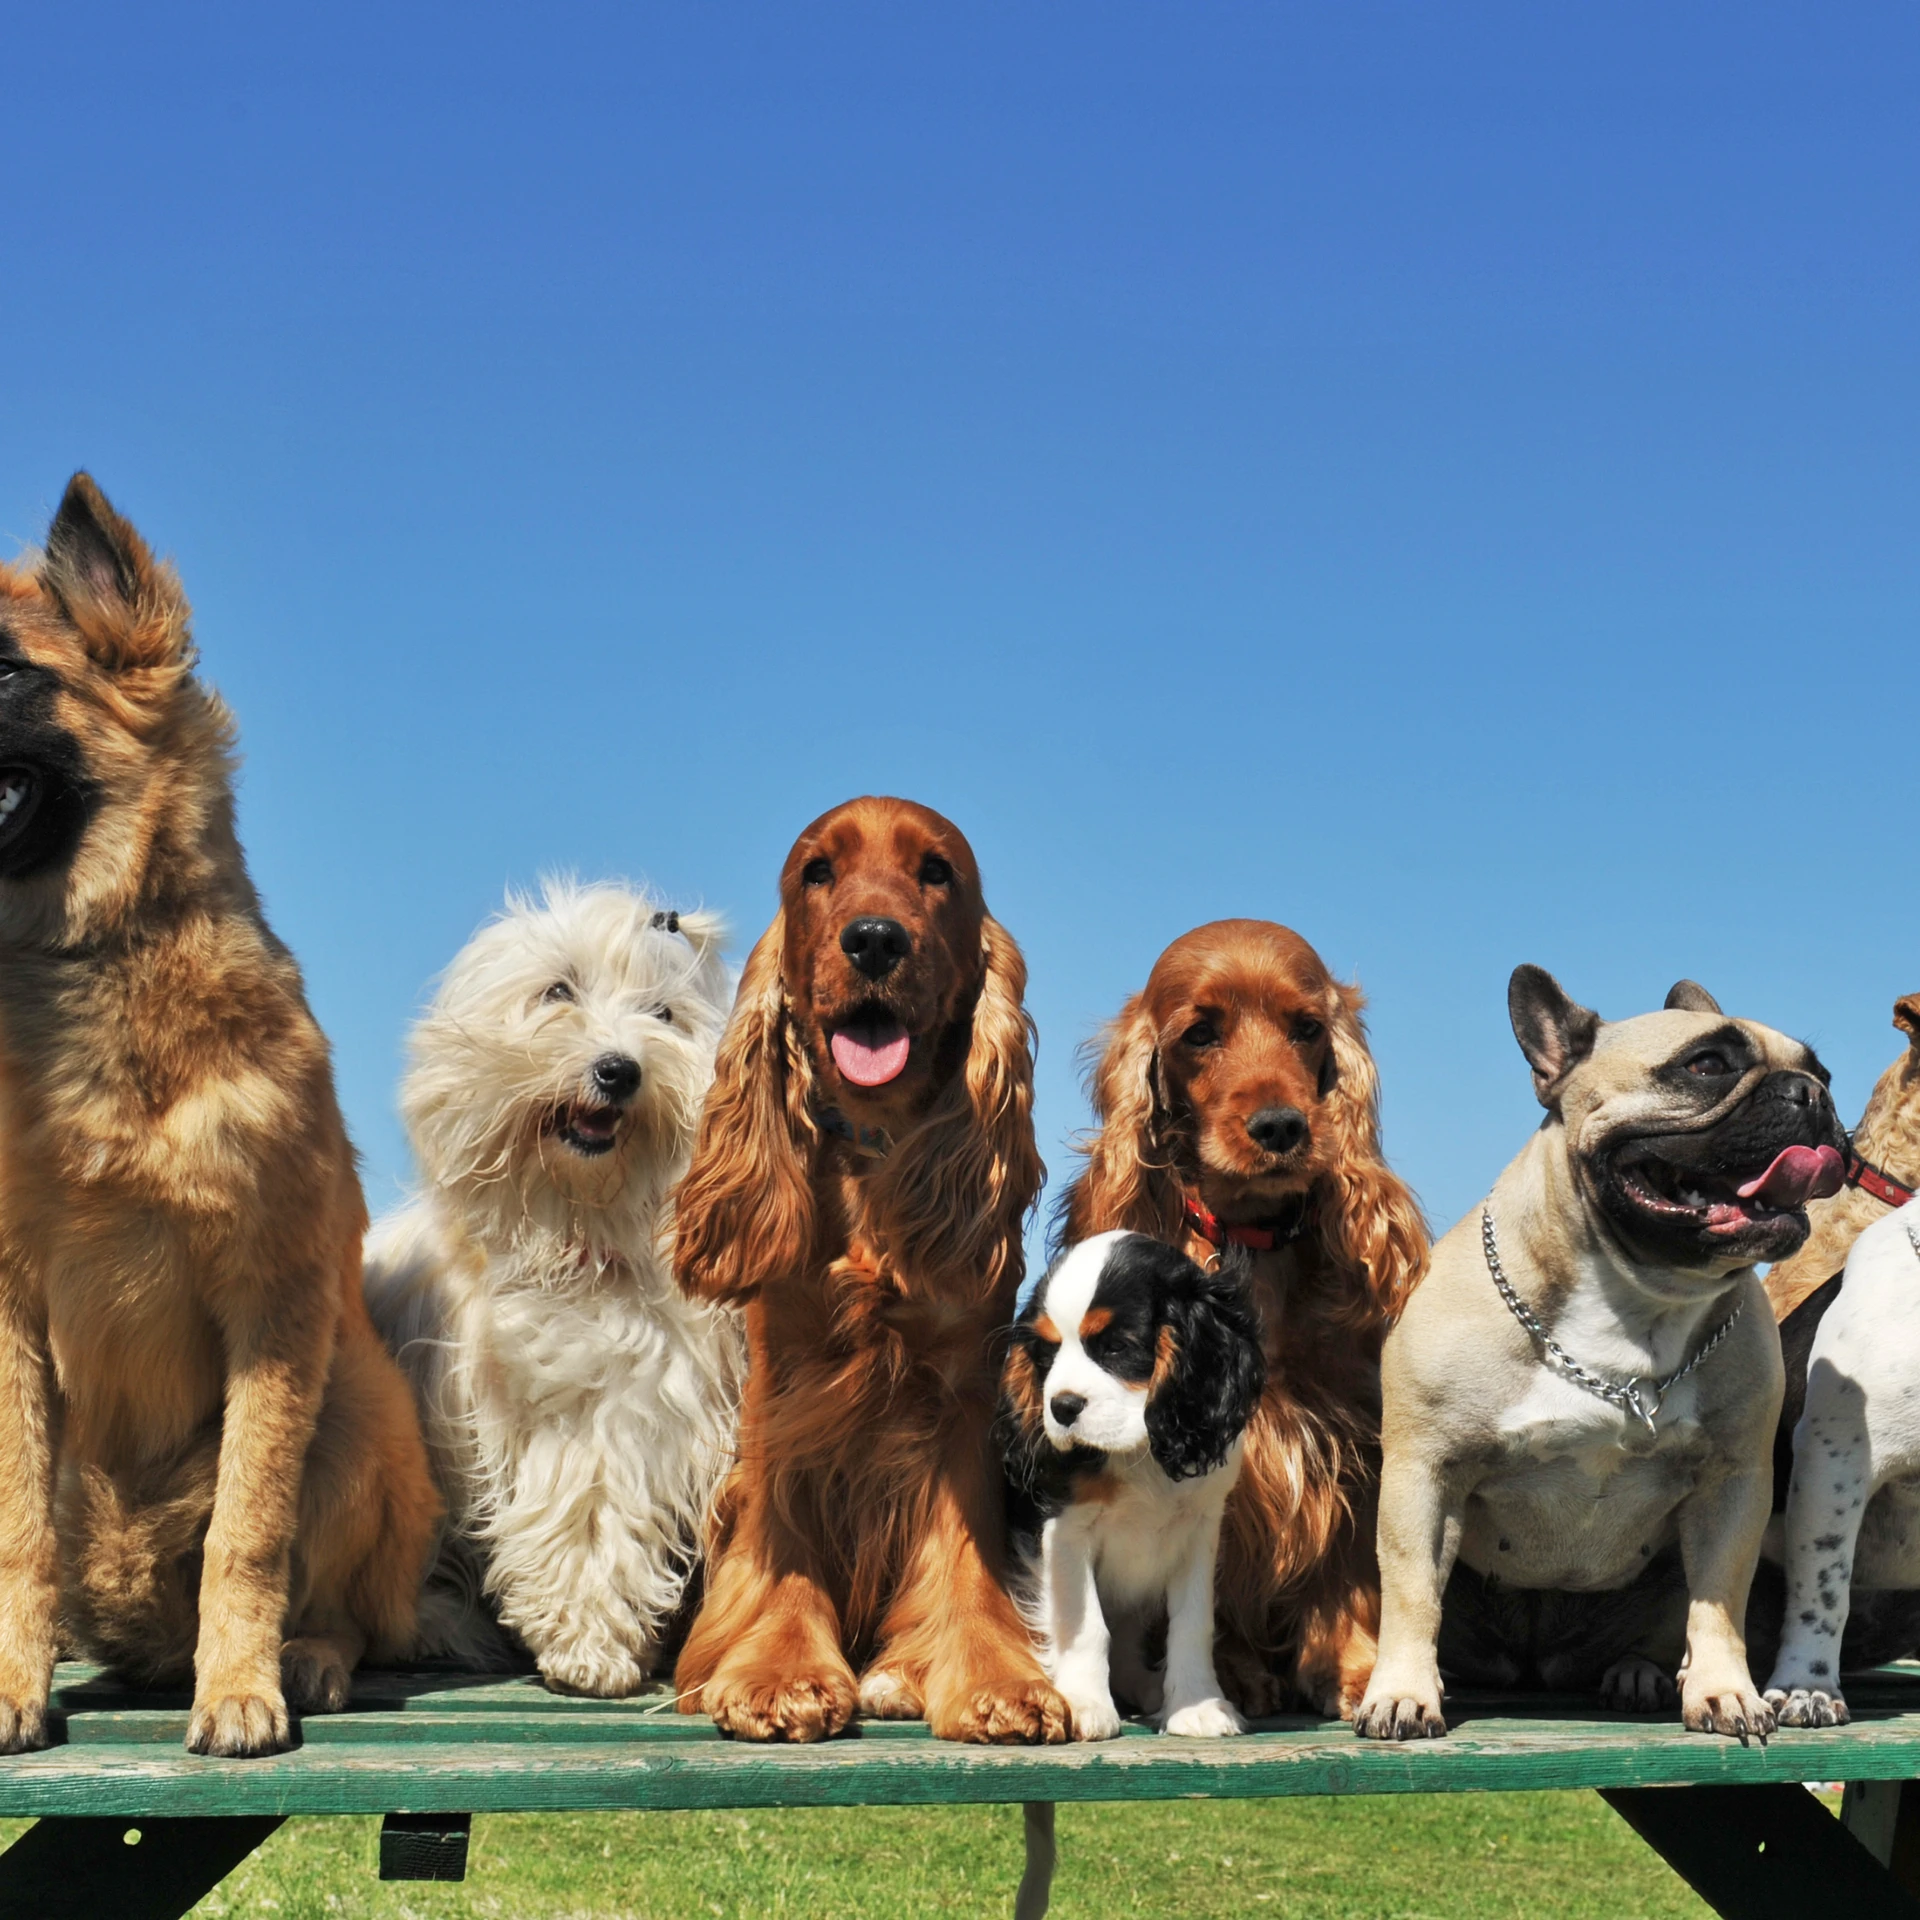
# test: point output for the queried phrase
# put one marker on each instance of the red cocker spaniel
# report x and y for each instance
(1239, 1103)
(864, 1164)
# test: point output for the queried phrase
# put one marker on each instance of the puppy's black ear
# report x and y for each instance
(1212, 1367)
(1689, 996)
(1555, 1032)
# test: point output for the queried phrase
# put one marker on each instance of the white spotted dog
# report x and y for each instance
(1129, 1383)
(579, 1409)
(1852, 1539)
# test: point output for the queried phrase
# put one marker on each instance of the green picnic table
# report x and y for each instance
(128, 1824)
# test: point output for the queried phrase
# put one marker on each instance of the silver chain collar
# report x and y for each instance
(1641, 1398)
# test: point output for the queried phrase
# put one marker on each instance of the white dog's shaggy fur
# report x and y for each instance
(579, 1409)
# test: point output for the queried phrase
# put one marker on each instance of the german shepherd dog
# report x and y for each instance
(207, 1460)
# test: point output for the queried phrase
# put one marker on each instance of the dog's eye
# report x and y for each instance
(664, 1013)
(559, 991)
(934, 872)
(1307, 1028)
(1200, 1034)
(816, 873)
(1710, 1065)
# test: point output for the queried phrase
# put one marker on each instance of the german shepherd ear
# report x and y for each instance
(127, 606)
(1689, 996)
(1555, 1032)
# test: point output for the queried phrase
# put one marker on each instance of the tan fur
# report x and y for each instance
(1298, 1592)
(865, 1522)
(241, 1487)
(1889, 1137)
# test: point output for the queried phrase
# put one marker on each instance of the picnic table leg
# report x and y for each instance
(1036, 1883)
(424, 1846)
(68, 1868)
(1884, 1816)
(1762, 1852)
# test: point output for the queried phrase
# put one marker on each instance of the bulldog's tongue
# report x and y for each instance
(1798, 1174)
(871, 1056)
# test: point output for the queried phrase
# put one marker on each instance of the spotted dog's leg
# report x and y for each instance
(1832, 1470)
(1193, 1703)
(1079, 1630)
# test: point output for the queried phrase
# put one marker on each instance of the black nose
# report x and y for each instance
(1279, 1129)
(1068, 1407)
(875, 946)
(615, 1077)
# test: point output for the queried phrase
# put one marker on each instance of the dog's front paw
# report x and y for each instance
(1403, 1710)
(1637, 1685)
(1203, 1720)
(801, 1707)
(1005, 1713)
(1731, 1707)
(1807, 1707)
(884, 1695)
(314, 1676)
(239, 1726)
(601, 1674)
(1095, 1717)
(1251, 1681)
(23, 1724)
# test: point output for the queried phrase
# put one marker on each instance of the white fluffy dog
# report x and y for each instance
(579, 1409)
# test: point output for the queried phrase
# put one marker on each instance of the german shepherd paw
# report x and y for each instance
(1637, 1685)
(814, 1708)
(239, 1726)
(1005, 1713)
(23, 1725)
(1807, 1707)
(315, 1676)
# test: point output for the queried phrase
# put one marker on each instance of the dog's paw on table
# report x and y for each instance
(1807, 1707)
(1005, 1713)
(239, 1726)
(1404, 1713)
(1733, 1709)
(802, 1708)
(23, 1725)
(1637, 1685)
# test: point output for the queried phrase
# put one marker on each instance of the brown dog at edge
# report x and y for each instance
(864, 1164)
(199, 1428)
(1238, 1103)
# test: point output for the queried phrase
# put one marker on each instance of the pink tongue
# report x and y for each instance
(1798, 1174)
(867, 1065)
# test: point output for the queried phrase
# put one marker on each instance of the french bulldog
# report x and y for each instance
(1580, 1398)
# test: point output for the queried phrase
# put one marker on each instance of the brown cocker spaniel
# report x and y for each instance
(1239, 1104)
(864, 1165)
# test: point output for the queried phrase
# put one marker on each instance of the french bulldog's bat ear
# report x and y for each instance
(1555, 1033)
(1689, 996)
(1906, 1016)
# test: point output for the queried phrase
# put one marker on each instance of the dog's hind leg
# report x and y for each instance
(29, 1556)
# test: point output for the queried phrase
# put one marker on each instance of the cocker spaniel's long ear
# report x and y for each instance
(1213, 1369)
(1127, 1181)
(1369, 1224)
(744, 1212)
(960, 1187)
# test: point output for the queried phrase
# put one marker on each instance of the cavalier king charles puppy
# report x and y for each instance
(864, 1166)
(1130, 1381)
(579, 1408)
(1239, 1108)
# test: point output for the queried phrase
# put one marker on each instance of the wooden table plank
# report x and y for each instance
(431, 1744)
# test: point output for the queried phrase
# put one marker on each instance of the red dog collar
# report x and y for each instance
(1277, 1233)
(1870, 1179)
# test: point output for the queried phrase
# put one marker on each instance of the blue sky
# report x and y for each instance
(1442, 477)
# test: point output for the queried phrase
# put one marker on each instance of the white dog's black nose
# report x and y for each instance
(1279, 1129)
(616, 1077)
(874, 945)
(1068, 1407)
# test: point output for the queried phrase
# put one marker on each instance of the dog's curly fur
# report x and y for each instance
(1240, 1018)
(580, 1410)
(242, 1489)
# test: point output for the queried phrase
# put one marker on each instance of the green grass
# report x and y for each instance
(1421, 1857)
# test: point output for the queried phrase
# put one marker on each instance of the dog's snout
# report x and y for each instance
(1068, 1407)
(616, 1077)
(875, 945)
(1279, 1129)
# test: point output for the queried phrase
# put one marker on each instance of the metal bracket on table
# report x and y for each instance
(424, 1846)
(69, 1868)
(1763, 1852)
